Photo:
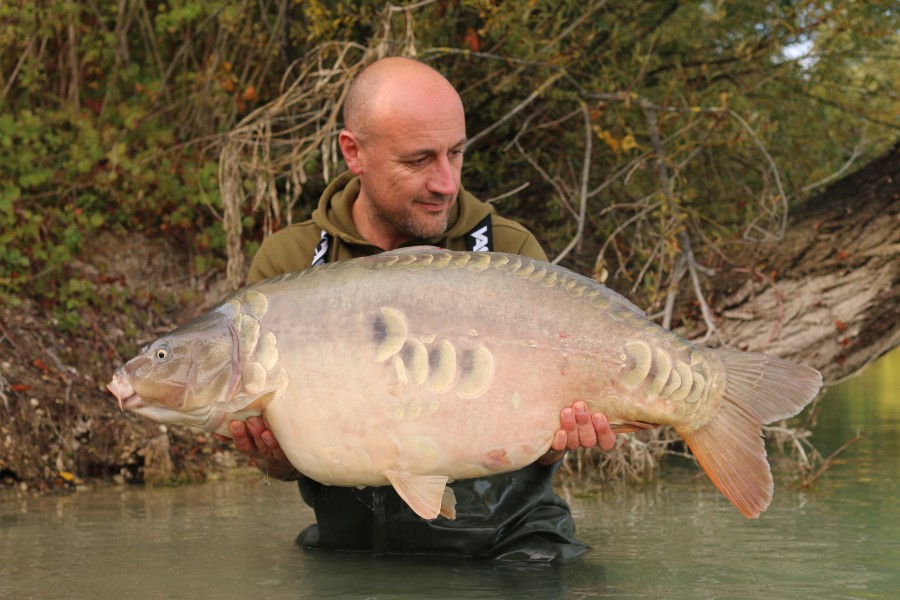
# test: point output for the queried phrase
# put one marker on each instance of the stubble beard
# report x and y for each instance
(406, 220)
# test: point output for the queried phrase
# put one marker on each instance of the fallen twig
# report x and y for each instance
(831, 459)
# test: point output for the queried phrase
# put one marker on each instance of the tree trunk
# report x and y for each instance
(827, 295)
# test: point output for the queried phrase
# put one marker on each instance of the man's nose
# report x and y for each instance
(444, 178)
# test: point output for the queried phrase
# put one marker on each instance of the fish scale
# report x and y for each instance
(417, 367)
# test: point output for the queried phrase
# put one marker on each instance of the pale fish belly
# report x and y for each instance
(428, 384)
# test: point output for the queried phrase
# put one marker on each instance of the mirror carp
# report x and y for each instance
(421, 366)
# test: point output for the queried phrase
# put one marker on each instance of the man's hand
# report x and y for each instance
(258, 443)
(579, 429)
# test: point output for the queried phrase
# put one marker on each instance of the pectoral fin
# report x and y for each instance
(630, 426)
(237, 408)
(255, 403)
(427, 495)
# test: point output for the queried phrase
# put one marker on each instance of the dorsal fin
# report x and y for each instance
(411, 250)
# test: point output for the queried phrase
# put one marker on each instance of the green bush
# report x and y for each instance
(113, 121)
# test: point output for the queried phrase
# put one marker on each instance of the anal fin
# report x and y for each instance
(448, 503)
(731, 450)
(427, 495)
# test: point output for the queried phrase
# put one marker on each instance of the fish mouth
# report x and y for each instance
(124, 393)
(132, 402)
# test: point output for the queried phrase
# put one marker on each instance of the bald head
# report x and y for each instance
(404, 137)
(396, 87)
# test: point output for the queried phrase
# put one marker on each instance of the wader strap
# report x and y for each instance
(320, 257)
(481, 238)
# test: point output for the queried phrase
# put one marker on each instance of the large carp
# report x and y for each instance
(422, 366)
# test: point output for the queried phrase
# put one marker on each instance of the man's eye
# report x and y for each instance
(417, 162)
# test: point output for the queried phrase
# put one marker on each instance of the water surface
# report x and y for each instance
(675, 538)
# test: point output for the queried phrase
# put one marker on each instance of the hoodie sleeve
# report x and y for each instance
(511, 237)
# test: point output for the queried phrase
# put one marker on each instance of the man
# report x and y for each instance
(403, 144)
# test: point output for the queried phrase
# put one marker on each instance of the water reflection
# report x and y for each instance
(841, 539)
(675, 538)
(365, 577)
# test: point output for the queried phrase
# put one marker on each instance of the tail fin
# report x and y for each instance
(759, 389)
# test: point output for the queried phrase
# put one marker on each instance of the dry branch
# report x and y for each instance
(275, 142)
(684, 240)
(583, 190)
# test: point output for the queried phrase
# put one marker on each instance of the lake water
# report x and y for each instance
(675, 538)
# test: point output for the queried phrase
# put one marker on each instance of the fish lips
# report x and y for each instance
(202, 417)
(124, 393)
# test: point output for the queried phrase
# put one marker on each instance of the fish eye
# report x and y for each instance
(162, 353)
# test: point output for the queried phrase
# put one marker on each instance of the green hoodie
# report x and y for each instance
(292, 248)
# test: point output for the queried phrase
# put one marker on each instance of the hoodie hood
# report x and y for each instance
(334, 214)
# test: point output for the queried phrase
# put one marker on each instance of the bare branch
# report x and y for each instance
(857, 152)
(16, 69)
(585, 178)
(276, 141)
(516, 110)
(409, 7)
(684, 241)
(511, 192)
(775, 172)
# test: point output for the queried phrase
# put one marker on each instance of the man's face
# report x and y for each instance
(410, 167)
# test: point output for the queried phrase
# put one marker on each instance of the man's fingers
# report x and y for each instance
(567, 419)
(269, 440)
(569, 427)
(253, 439)
(606, 438)
(559, 441)
(243, 442)
(273, 447)
(255, 427)
(587, 437)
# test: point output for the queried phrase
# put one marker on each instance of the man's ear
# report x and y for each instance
(351, 150)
